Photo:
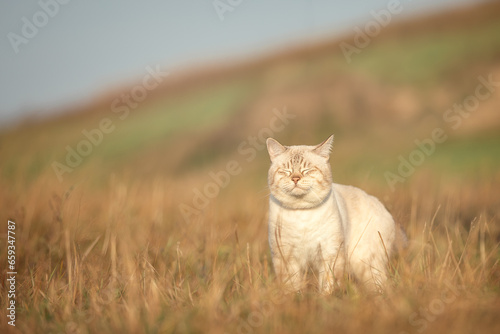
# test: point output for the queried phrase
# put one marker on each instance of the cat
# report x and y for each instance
(327, 226)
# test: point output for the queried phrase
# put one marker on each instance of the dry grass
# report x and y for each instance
(119, 259)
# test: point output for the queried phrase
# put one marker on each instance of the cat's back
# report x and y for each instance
(360, 205)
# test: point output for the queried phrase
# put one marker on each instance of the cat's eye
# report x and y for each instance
(285, 172)
(307, 171)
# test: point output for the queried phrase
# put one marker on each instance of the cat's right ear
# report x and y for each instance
(274, 148)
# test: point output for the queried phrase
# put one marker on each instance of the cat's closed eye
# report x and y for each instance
(285, 172)
(308, 171)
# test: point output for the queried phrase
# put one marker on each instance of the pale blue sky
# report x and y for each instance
(89, 46)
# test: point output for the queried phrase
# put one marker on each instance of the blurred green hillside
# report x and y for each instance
(395, 91)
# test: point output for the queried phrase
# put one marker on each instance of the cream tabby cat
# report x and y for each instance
(328, 226)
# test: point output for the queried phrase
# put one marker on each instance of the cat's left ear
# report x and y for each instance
(325, 148)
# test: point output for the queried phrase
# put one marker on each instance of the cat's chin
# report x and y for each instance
(299, 198)
(298, 192)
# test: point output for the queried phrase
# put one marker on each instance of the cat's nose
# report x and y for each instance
(295, 179)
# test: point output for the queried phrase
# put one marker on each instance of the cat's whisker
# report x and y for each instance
(265, 196)
(264, 190)
(314, 193)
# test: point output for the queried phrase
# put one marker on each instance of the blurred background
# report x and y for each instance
(379, 75)
(142, 124)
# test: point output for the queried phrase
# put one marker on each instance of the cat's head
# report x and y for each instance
(300, 176)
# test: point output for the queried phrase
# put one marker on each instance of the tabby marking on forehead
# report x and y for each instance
(297, 159)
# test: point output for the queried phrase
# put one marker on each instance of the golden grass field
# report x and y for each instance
(108, 250)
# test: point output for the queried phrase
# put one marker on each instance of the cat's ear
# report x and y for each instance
(274, 148)
(325, 148)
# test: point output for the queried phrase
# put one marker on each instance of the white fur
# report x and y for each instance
(330, 228)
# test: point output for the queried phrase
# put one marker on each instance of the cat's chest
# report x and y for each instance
(302, 227)
(304, 221)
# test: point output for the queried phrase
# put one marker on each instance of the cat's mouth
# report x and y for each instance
(298, 190)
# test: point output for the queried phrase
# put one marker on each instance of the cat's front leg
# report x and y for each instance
(331, 273)
(289, 272)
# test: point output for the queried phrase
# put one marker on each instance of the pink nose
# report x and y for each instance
(295, 179)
